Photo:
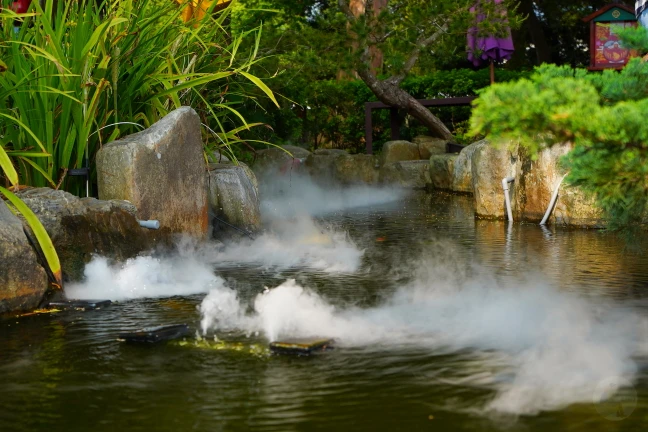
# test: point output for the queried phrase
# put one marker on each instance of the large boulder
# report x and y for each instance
(355, 169)
(462, 174)
(234, 197)
(537, 180)
(321, 166)
(489, 165)
(23, 281)
(429, 146)
(396, 151)
(161, 171)
(406, 174)
(83, 227)
(275, 160)
(442, 171)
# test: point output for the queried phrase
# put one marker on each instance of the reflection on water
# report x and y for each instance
(432, 357)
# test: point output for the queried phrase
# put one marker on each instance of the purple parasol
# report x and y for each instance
(487, 49)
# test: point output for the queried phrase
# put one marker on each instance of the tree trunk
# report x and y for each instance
(393, 95)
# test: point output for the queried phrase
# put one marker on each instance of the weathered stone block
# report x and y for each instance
(429, 146)
(537, 180)
(396, 151)
(81, 228)
(275, 160)
(355, 169)
(406, 174)
(234, 196)
(442, 171)
(462, 174)
(23, 281)
(161, 171)
(489, 166)
(321, 167)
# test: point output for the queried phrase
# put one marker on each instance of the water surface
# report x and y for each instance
(444, 323)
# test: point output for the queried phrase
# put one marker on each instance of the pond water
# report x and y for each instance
(442, 322)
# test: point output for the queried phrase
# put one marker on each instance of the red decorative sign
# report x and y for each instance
(609, 51)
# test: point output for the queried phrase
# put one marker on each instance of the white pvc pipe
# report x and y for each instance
(552, 203)
(505, 186)
(150, 224)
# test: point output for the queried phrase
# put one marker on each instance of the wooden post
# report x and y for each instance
(394, 124)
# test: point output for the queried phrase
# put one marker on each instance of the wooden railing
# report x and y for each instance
(395, 121)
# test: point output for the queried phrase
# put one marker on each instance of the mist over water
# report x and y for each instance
(547, 348)
(298, 195)
(537, 347)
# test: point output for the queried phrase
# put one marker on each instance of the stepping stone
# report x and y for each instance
(156, 334)
(301, 347)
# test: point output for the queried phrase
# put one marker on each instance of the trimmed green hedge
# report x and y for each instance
(331, 113)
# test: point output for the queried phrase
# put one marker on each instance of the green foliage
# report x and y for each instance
(41, 235)
(74, 69)
(603, 115)
(331, 112)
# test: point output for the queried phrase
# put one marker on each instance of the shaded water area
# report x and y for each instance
(443, 323)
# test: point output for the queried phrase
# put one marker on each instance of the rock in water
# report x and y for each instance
(396, 151)
(488, 167)
(429, 146)
(274, 160)
(23, 281)
(462, 170)
(161, 171)
(234, 196)
(442, 171)
(355, 169)
(82, 227)
(406, 174)
(538, 179)
(301, 347)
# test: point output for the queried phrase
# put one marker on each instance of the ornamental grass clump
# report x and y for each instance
(75, 75)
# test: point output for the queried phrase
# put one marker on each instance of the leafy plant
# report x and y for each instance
(43, 239)
(77, 74)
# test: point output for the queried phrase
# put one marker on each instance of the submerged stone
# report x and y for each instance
(156, 334)
(79, 304)
(301, 347)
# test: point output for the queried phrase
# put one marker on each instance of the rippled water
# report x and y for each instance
(444, 323)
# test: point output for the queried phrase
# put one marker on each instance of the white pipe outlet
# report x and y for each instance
(505, 185)
(150, 224)
(552, 203)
